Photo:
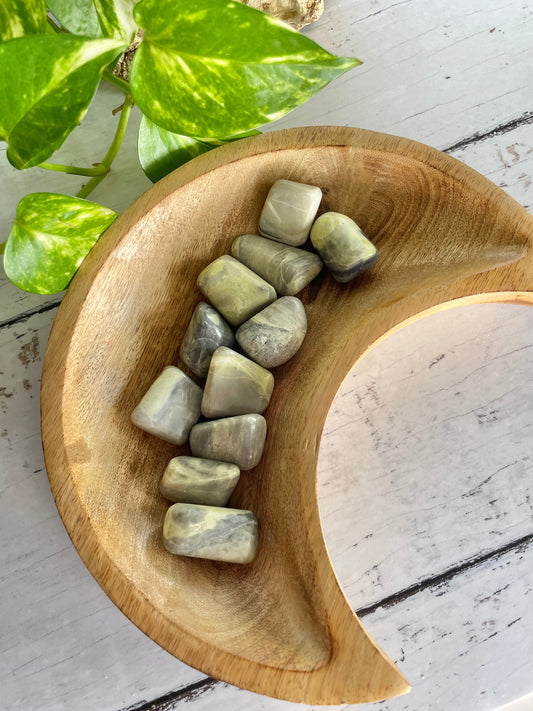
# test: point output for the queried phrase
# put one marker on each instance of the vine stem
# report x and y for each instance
(73, 170)
(116, 81)
(113, 149)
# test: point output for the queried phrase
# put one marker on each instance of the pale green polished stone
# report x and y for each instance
(235, 385)
(288, 269)
(228, 535)
(170, 407)
(274, 335)
(239, 440)
(199, 481)
(345, 249)
(206, 332)
(234, 290)
(289, 211)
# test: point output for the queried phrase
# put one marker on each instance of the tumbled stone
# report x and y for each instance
(206, 332)
(211, 532)
(234, 290)
(345, 249)
(193, 480)
(289, 211)
(170, 407)
(273, 336)
(288, 269)
(235, 385)
(239, 440)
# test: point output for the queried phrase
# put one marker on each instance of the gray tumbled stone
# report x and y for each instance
(170, 407)
(206, 332)
(288, 269)
(345, 249)
(289, 211)
(193, 480)
(239, 440)
(235, 385)
(211, 532)
(273, 336)
(234, 290)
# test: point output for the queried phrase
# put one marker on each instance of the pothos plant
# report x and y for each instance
(203, 72)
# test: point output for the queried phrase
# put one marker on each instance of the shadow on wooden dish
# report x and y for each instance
(280, 626)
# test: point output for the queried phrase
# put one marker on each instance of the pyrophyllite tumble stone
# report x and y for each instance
(288, 269)
(235, 385)
(234, 290)
(170, 407)
(239, 440)
(274, 335)
(211, 532)
(206, 332)
(193, 480)
(289, 211)
(345, 249)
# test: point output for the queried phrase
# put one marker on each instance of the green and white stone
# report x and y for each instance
(345, 249)
(170, 407)
(288, 269)
(228, 535)
(235, 385)
(234, 290)
(206, 332)
(193, 480)
(289, 211)
(273, 336)
(239, 440)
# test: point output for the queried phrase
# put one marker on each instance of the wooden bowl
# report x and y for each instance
(280, 626)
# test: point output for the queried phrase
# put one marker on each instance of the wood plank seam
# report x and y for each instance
(524, 120)
(29, 313)
(186, 694)
(447, 575)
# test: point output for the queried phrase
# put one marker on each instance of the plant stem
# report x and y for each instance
(2, 247)
(113, 149)
(74, 170)
(116, 81)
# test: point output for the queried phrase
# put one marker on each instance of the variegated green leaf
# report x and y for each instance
(51, 237)
(77, 16)
(46, 85)
(116, 18)
(22, 17)
(215, 68)
(96, 18)
(161, 152)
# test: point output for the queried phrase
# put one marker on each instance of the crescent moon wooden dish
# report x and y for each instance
(280, 626)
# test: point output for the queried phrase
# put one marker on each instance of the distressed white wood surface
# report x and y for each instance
(436, 72)
(63, 645)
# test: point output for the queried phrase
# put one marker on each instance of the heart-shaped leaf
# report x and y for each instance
(210, 68)
(96, 18)
(161, 152)
(51, 236)
(22, 17)
(46, 85)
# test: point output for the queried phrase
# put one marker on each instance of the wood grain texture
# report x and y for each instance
(301, 644)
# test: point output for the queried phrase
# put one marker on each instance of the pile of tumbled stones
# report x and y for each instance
(254, 292)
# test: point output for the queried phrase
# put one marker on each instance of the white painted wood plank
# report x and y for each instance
(436, 72)
(426, 452)
(464, 644)
(507, 160)
(433, 72)
(63, 644)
